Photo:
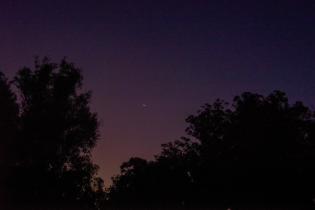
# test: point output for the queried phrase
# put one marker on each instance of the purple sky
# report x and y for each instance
(152, 63)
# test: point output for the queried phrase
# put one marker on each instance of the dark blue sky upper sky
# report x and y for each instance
(172, 56)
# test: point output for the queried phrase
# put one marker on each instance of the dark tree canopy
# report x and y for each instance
(56, 133)
(8, 130)
(260, 149)
(8, 118)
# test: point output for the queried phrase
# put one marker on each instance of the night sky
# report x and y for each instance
(152, 63)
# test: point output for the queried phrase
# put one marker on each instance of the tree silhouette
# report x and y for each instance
(8, 130)
(261, 150)
(257, 150)
(56, 133)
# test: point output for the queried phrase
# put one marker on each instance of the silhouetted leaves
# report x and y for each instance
(258, 149)
(56, 133)
(8, 130)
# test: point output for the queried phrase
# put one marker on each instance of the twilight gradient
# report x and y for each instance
(151, 63)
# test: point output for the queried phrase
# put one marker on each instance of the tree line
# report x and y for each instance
(256, 150)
